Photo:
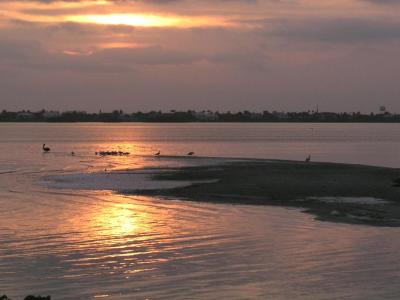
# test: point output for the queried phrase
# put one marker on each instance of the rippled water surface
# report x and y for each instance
(76, 244)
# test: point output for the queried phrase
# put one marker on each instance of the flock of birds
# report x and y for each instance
(112, 153)
(120, 153)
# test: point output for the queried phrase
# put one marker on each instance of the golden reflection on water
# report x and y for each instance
(113, 220)
(117, 220)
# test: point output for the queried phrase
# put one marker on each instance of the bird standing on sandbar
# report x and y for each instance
(190, 153)
(158, 153)
(308, 158)
(45, 149)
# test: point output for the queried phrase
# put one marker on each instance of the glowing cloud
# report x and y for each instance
(145, 20)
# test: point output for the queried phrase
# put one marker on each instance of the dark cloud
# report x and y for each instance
(344, 30)
(21, 50)
(30, 55)
(154, 55)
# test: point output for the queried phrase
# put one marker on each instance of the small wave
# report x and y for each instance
(8, 172)
(114, 181)
(350, 200)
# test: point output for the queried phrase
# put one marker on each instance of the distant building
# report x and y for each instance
(51, 114)
(280, 114)
(255, 116)
(25, 116)
(124, 118)
(206, 116)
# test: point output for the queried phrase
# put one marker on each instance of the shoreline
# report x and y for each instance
(338, 192)
(347, 193)
(205, 122)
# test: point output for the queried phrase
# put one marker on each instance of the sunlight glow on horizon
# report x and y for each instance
(148, 20)
(102, 12)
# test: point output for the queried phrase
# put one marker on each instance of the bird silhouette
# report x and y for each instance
(158, 153)
(190, 153)
(30, 297)
(308, 158)
(45, 149)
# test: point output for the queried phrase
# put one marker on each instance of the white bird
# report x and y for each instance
(45, 149)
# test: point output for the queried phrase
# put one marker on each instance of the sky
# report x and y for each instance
(292, 55)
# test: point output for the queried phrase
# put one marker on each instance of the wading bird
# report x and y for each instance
(308, 158)
(45, 149)
(158, 153)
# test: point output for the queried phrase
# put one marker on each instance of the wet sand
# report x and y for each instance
(357, 193)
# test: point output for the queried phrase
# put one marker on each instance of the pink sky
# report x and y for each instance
(210, 54)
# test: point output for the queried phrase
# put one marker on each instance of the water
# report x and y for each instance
(86, 244)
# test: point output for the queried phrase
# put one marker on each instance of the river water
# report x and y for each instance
(86, 244)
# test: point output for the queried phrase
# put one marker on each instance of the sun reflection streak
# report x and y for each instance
(117, 220)
(122, 220)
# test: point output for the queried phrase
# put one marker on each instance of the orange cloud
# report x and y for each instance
(149, 20)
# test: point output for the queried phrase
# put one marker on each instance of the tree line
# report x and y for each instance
(194, 116)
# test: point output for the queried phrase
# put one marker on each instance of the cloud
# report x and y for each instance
(30, 55)
(154, 55)
(144, 1)
(343, 30)
(383, 2)
(278, 50)
(11, 50)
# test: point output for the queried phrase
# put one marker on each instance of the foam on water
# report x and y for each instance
(115, 181)
(350, 200)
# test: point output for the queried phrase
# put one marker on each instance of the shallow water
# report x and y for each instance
(76, 244)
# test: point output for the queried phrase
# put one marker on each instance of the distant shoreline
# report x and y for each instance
(191, 116)
(208, 122)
